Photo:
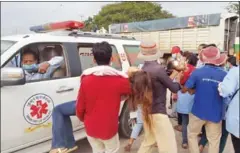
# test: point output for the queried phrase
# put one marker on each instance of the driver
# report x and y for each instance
(43, 70)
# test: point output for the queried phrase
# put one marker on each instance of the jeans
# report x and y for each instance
(185, 120)
(179, 118)
(223, 140)
(62, 130)
(139, 126)
(236, 143)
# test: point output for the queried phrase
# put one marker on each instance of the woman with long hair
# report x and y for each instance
(138, 122)
(141, 95)
(149, 88)
(141, 99)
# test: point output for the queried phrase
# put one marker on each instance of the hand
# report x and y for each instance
(133, 121)
(191, 91)
(43, 67)
(174, 97)
(174, 74)
(131, 70)
(179, 77)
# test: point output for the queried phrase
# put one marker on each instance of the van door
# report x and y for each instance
(230, 33)
(27, 109)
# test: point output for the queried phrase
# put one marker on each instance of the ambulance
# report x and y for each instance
(26, 106)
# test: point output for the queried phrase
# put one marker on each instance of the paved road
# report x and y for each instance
(84, 146)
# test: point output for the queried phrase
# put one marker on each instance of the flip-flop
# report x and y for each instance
(71, 149)
(58, 150)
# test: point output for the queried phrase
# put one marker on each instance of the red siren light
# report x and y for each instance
(58, 26)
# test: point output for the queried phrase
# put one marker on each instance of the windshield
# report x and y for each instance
(5, 45)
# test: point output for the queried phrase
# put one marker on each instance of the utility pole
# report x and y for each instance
(81, 16)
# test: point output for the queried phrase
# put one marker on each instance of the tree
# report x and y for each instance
(88, 24)
(123, 12)
(233, 7)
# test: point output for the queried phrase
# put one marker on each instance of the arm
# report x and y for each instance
(54, 64)
(190, 84)
(174, 74)
(124, 86)
(167, 82)
(80, 106)
(229, 84)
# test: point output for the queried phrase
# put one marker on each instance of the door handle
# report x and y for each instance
(64, 89)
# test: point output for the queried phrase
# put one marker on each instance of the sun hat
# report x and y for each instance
(149, 51)
(175, 50)
(212, 55)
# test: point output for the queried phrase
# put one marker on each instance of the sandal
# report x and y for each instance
(185, 146)
(128, 147)
(58, 150)
(69, 150)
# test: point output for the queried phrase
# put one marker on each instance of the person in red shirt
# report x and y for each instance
(99, 98)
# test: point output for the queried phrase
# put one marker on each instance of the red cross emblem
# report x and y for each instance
(39, 109)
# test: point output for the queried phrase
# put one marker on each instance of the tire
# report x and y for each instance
(125, 127)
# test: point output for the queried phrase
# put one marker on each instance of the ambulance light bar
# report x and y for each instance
(67, 25)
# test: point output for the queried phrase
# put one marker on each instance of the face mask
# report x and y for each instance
(30, 68)
(227, 67)
(174, 56)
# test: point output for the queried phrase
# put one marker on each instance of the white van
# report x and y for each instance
(25, 130)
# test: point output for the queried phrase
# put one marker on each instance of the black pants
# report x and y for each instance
(179, 118)
(236, 144)
(171, 99)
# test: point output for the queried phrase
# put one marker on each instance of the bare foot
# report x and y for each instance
(128, 147)
(178, 128)
(201, 148)
(184, 146)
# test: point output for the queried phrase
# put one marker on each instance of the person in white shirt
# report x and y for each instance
(40, 71)
(200, 63)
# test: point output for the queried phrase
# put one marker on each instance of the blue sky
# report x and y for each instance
(17, 17)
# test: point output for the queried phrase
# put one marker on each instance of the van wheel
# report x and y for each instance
(125, 125)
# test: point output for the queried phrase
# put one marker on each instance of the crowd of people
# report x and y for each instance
(205, 90)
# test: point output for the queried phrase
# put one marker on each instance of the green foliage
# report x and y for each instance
(233, 7)
(122, 12)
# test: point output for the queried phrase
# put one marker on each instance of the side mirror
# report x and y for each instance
(12, 76)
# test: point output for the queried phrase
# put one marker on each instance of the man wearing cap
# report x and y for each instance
(207, 107)
(162, 131)
(176, 52)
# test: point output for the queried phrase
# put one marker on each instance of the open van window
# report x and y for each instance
(6, 44)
